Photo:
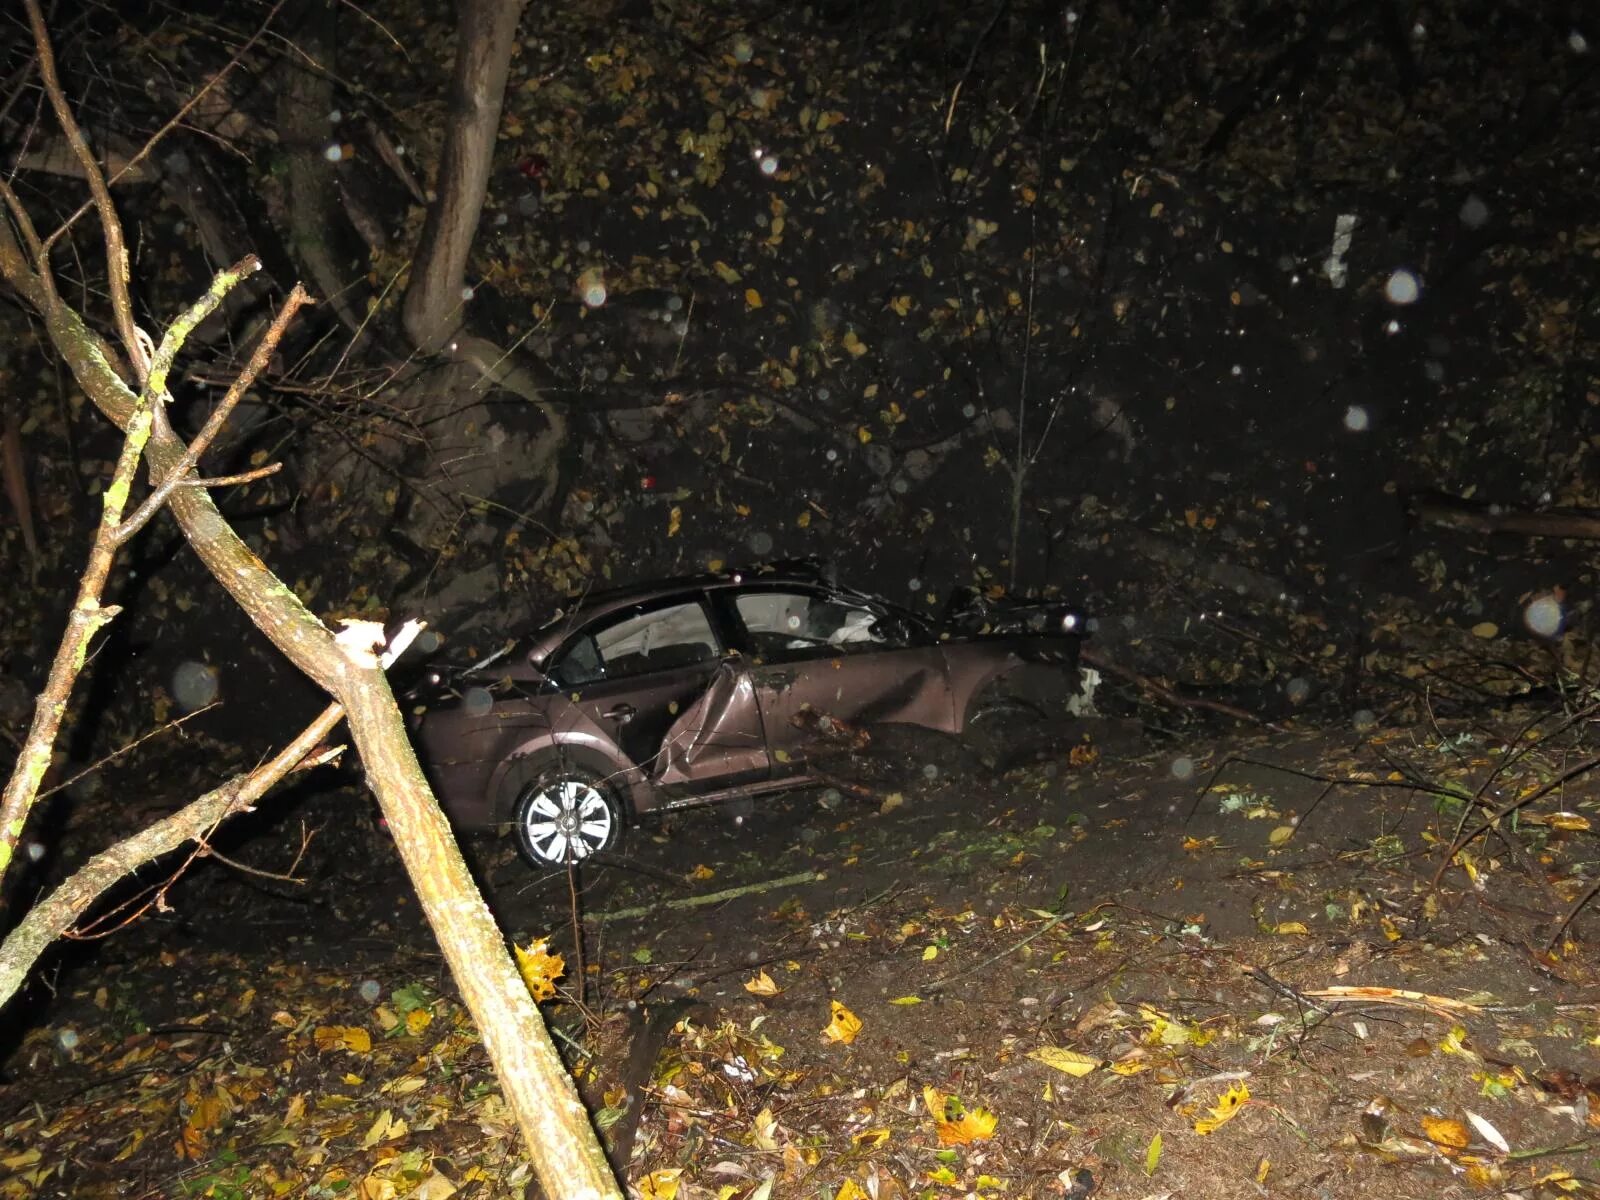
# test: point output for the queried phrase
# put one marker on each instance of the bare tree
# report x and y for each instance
(127, 383)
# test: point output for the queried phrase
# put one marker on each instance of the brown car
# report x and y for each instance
(695, 690)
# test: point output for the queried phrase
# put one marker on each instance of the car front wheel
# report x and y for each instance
(565, 815)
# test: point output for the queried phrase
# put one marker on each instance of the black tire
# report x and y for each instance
(998, 725)
(565, 814)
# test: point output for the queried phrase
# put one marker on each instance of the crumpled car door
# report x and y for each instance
(718, 741)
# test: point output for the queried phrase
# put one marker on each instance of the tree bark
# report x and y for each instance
(486, 36)
(564, 1150)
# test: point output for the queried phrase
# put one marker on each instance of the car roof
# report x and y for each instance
(584, 607)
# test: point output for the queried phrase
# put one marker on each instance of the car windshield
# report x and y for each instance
(662, 639)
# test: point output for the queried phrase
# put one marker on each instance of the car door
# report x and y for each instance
(637, 674)
(817, 653)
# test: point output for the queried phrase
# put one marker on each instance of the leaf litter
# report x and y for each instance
(1109, 1008)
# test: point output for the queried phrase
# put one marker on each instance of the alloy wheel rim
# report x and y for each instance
(567, 822)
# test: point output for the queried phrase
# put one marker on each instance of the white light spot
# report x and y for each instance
(914, 585)
(1363, 719)
(35, 851)
(466, 293)
(1543, 615)
(1402, 288)
(594, 293)
(832, 454)
(194, 685)
(67, 1039)
(1577, 43)
(1392, 327)
(769, 165)
(1356, 419)
(930, 771)
(1474, 212)
(1237, 371)
(335, 117)
(371, 990)
(583, 246)
(1070, 17)
(1183, 767)
(334, 152)
(1298, 691)
(743, 50)
(501, 218)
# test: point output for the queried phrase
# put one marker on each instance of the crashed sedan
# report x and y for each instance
(707, 688)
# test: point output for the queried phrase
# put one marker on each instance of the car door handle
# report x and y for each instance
(620, 713)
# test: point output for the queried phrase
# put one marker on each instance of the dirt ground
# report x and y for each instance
(1124, 966)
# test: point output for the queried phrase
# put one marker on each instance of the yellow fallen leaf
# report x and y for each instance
(540, 969)
(1281, 834)
(661, 1185)
(844, 1026)
(931, 953)
(1575, 822)
(1485, 630)
(386, 1128)
(871, 1139)
(1152, 1154)
(752, 297)
(417, 1020)
(1224, 1110)
(849, 1190)
(674, 520)
(763, 1130)
(761, 985)
(1444, 1132)
(1070, 1061)
(701, 872)
(900, 305)
(728, 274)
(905, 1000)
(1287, 927)
(343, 1037)
(956, 1124)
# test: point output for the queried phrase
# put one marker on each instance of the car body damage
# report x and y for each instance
(697, 690)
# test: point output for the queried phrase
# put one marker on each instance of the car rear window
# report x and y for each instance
(662, 639)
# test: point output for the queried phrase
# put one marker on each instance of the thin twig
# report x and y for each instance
(219, 416)
(134, 344)
(939, 984)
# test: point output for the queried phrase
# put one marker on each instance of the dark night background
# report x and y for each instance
(1266, 332)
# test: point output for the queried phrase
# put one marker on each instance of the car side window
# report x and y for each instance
(798, 624)
(662, 639)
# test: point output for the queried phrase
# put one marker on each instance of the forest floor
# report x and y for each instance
(981, 301)
(1113, 965)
